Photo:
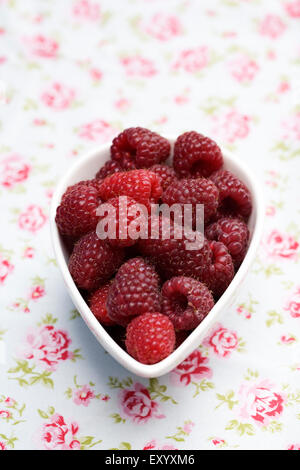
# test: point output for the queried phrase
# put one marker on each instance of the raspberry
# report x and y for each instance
(142, 185)
(193, 191)
(169, 252)
(150, 338)
(133, 221)
(93, 262)
(109, 168)
(94, 183)
(186, 302)
(235, 197)
(97, 303)
(234, 233)
(135, 290)
(137, 147)
(196, 155)
(220, 273)
(165, 172)
(76, 214)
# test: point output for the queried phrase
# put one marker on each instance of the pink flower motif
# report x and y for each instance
(37, 292)
(295, 446)
(137, 66)
(96, 74)
(28, 252)
(83, 396)
(272, 26)
(86, 10)
(136, 404)
(231, 126)
(155, 445)
(13, 170)
(122, 104)
(270, 211)
(281, 245)
(192, 60)
(187, 427)
(58, 97)
(221, 340)
(59, 434)
(9, 402)
(287, 339)
(5, 269)
(293, 9)
(260, 402)
(218, 442)
(293, 304)
(2, 445)
(283, 87)
(48, 346)
(243, 311)
(97, 130)
(4, 414)
(163, 27)
(192, 368)
(292, 127)
(32, 219)
(243, 69)
(41, 46)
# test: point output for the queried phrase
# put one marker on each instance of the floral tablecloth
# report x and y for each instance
(72, 74)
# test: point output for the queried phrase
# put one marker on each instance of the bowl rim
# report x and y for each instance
(194, 339)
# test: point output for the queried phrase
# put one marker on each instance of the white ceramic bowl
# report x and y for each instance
(85, 168)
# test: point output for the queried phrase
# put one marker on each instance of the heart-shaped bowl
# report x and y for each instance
(86, 168)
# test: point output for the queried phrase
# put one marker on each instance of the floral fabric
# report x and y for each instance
(72, 75)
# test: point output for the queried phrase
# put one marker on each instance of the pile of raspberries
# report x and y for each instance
(149, 294)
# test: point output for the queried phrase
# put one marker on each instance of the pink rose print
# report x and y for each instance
(137, 66)
(192, 368)
(281, 245)
(58, 97)
(96, 74)
(293, 304)
(192, 60)
(295, 446)
(86, 10)
(32, 219)
(2, 446)
(272, 26)
(221, 340)
(292, 127)
(270, 211)
(97, 130)
(37, 292)
(5, 269)
(155, 445)
(4, 414)
(83, 396)
(59, 434)
(241, 310)
(13, 170)
(217, 441)
(41, 46)
(163, 27)
(231, 126)
(48, 346)
(260, 402)
(243, 69)
(293, 9)
(9, 402)
(28, 252)
(136, 404)
(287, 339)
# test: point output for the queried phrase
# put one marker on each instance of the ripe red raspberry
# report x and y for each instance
(186, 302)
(142, 185)
(220, 273)
(234, 233)
(166, 173)
(109, 168)
(93, 182)
(127, 221)
(193, 191)
(169, 251)
(76, 214)
(97, 303)
(93, 261)
(150, 338)
(196, 155)
(135, 290)
(137, 147)
(235, 197)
